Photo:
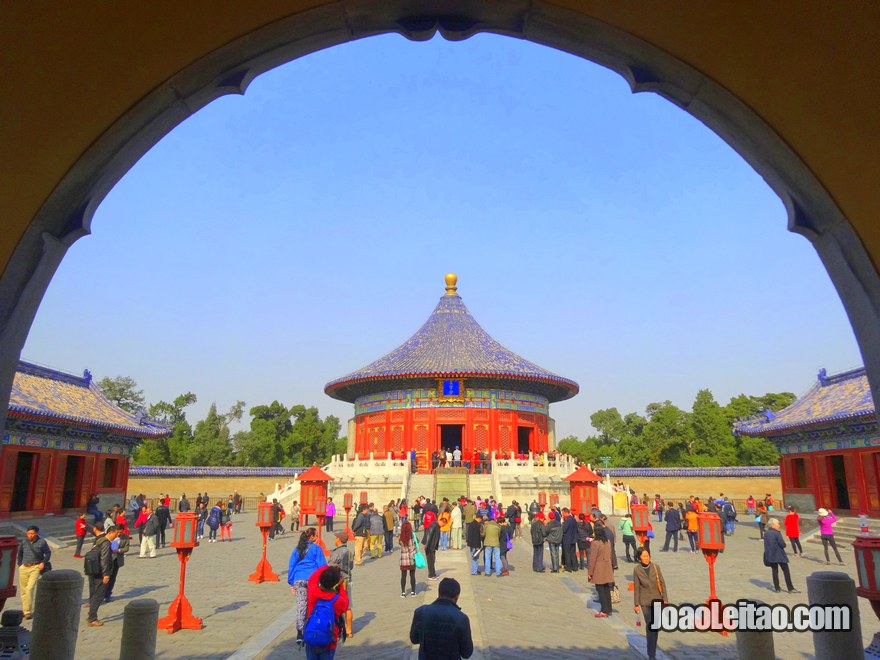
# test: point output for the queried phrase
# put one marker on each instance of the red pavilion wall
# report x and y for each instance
(485, 429)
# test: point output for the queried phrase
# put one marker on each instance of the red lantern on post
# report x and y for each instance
(265, 520)
(711, 541)
(542, 500)
(180, 610)
(554, 500)
(867, 551)
(641, 522)
(349, 501)
(364, 497)
(321, 512)
(8, 554)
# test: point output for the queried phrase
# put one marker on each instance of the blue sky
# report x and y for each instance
(276, 241)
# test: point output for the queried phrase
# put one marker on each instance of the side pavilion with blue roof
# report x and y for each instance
(63, 441)
(829, 445)
(451, 385)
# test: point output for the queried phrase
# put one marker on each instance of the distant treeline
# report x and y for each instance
(278, 436)
(667, 436)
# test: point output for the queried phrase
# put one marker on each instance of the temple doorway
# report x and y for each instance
(523, 439)
(72, 481)
(451, 436)
(837, 468)
(21, 491)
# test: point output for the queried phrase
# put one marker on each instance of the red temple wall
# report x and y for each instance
(485, 429)
(46, 484)
(811, 484)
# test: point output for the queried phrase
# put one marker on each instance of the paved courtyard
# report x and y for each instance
(525, 615)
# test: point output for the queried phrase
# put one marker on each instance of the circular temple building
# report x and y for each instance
(451, 385)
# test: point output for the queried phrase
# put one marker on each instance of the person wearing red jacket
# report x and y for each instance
(80, 527)
(793, 531)
(324, 584)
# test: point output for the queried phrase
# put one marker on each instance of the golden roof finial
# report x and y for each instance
(451, 281)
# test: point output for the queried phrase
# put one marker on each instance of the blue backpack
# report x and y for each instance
(319, 628)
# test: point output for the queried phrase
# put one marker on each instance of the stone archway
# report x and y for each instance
(66, 214)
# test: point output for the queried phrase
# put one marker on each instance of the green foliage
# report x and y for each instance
(211, 443)
(122, 391)
(174, 449)
(341, 446)
(670, 437)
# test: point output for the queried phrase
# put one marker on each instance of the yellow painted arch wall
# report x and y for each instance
(808, 69)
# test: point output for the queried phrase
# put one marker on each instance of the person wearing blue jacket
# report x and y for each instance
(305, 559)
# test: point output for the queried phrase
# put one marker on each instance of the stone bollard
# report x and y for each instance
(833, 588)
(56, 615)
(139, 625)
(755, 645)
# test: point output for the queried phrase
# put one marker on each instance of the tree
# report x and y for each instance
(609, 424)
(714, 443)
(743, 406)
(211, 442)
(757, 451)
(260, 446)
(122, 391)
(311, 439)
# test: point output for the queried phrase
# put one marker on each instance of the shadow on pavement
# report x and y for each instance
(136, 592)
(232, 606)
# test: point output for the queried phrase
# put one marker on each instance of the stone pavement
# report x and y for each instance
(524, 615)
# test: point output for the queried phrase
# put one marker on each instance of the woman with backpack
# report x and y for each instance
(326, 604)
(407, 559)
(305, 559)
(213, 522)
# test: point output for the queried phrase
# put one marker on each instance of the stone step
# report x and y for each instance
(481, 485)
(420, 485)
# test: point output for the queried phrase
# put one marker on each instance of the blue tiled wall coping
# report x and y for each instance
(200, 471)
(739, 471)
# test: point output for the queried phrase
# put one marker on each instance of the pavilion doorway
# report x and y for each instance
(451, 436)
(25, 469)
(72, 481)
(523, 439)
(837, 470)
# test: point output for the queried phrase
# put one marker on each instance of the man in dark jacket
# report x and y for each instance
(673, 524)
(98, 583)
(537, 532)
(474, 539)
(361, 527)
(553, 532)
(430, 543)
(441, 629)
(775, 557)
(163, 517)
(569, 541)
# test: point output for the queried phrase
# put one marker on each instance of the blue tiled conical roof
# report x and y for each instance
(451, 343)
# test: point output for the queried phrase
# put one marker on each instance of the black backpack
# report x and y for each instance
(92, 562)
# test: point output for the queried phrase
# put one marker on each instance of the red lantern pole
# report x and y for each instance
(180, 611)
(641, 522)
(347, 506)
(711, 541)
(263, 572)
(8, 553)
(542, 500)
(321, 510)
